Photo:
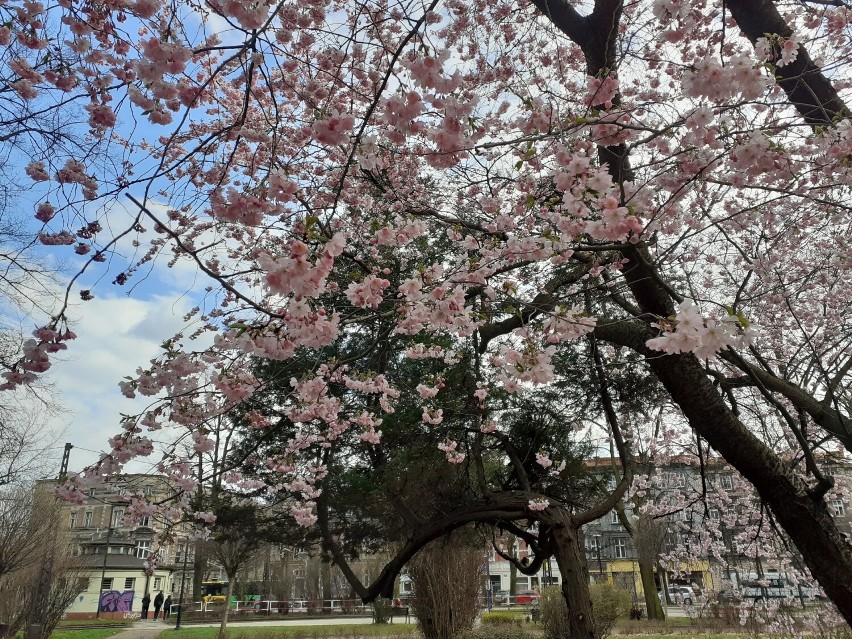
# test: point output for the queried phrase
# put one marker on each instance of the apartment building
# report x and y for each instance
(110, 551)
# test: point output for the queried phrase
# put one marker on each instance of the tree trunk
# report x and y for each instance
(571, 559)
(199, 567)
(223, 626)
(649, 587)
(325, 572)
(804, 518)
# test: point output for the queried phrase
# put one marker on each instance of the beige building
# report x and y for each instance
(111, 551)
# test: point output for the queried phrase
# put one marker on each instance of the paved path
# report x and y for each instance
(151, 629)
(324, 621)
(143, 630)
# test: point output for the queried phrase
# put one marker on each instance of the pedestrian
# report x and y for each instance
(167, 607)
(158, 603)
(146, 602)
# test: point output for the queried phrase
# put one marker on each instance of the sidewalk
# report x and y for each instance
(147, 629)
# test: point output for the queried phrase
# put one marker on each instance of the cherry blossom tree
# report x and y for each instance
(488, 182)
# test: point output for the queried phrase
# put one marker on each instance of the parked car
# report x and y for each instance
(681, 595)
(500, 598)
(525, 597)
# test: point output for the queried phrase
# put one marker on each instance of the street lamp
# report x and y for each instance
(597, 539)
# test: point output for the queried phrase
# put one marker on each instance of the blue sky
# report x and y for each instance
(118, 331)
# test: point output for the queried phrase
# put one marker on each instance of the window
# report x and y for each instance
(835, 506)
(148, 490)
(620, 548)
(143, 549)
(129, 583)
(145, 521)
(117, 516)
(593, 542)
(613, 517)
(87, 519)
(679, 480)
(106, 583)
(715, 515)
(73, 519)
(91, 492)
(184, 553)
(727, 482)
(158, 583)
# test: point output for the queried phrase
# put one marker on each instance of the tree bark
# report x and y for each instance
(652, 601)
(803, 516)
(571, 559)
(223, 625)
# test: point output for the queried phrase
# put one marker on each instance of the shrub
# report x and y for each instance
(609, 604)
(382, 610)
(500, 617)
(554, 613)
(496, 631)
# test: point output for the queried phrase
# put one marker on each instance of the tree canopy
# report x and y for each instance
(490, 184)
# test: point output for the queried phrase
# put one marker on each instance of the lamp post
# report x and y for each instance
(598, 550)
(182, 582)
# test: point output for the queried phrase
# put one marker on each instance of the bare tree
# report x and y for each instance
(233, 552)
(38, 577)
(25, 528)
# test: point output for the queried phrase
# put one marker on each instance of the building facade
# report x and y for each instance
(111, 551)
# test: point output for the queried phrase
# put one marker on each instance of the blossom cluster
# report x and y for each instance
(705, 337)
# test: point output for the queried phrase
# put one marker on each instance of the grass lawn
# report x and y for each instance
(295, 632)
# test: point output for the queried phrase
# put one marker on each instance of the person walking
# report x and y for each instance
(146, 602)
(158, 603)
(167, 607)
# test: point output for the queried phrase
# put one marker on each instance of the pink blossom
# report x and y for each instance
(333, 130)
(543, 460)
(538, 504)
(101, 116)
(45, 212)
(371, 436)
(37, 171)
(25, 89)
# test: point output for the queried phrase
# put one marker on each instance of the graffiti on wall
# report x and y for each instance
(114, 601)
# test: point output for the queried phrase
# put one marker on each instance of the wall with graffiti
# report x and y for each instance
(115, 601)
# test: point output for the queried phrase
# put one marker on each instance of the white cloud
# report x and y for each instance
(115, 336)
